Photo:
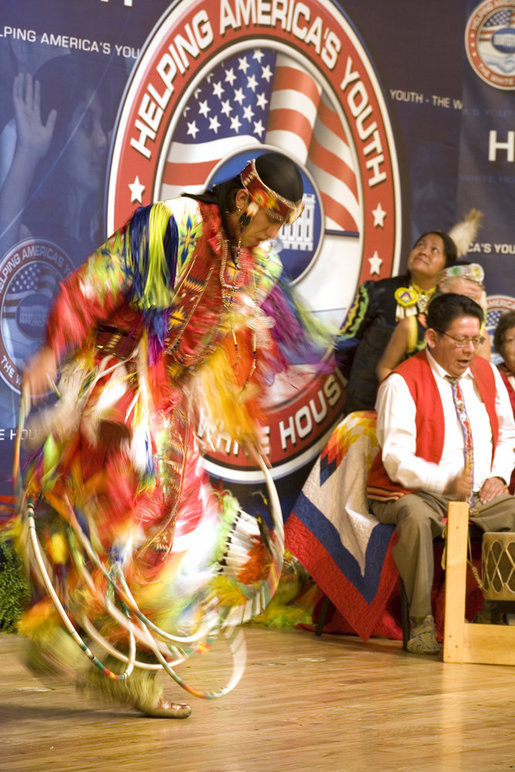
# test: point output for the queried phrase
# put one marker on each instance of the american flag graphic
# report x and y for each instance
(265, 97)
(497, 21)
(23, 324)
(493, 316)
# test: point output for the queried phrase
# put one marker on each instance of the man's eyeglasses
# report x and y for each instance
(476, 340)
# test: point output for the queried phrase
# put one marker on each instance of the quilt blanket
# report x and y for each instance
(331, 532)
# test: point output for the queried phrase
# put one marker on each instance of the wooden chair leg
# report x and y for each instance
(463, 642)
(326, 605)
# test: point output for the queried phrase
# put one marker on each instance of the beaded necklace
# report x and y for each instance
(235, 270)
(412, 300)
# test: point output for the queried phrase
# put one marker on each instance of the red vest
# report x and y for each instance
(429, 418)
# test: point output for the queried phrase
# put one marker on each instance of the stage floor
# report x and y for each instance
(304, 703)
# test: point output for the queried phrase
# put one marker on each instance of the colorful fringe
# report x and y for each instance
(150, 253)
(300, 339)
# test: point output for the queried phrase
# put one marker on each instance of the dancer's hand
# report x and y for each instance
(40, 373)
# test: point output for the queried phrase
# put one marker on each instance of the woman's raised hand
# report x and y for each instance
(32, 135)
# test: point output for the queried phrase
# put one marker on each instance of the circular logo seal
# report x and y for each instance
(30, 274)
(216, 84)
(490, 43)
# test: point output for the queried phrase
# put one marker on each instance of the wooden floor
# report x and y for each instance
(304, 703)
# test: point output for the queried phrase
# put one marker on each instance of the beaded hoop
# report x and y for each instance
(470, 271)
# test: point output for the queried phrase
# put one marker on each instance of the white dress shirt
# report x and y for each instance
(397, 434)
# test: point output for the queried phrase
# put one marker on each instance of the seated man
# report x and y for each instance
(446, 431)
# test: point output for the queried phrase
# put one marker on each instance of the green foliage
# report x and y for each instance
(14, 587)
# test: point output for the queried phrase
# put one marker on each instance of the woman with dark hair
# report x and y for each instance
(461, 278)
(55, 181)
(175, 322)
(379, 305)
(504, 342)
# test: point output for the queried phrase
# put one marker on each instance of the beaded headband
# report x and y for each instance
(262, 196)
(472, 272)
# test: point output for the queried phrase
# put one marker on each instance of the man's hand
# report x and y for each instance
(461, 486)
(492, 487)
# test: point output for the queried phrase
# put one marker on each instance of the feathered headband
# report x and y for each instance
(262, 196)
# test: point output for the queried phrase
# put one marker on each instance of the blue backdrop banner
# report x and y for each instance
(399, 115)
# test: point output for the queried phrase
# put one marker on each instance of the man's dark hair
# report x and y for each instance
(276, 170)
(506, 322)
(449, 247)
(444, 309)
(281, 174)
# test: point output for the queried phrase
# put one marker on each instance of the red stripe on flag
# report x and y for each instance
(329, 118)
(338, 213)
(188, 174)
(332, 164)
(291, 121)
(295, 80)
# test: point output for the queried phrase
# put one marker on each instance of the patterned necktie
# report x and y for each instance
(464, 421)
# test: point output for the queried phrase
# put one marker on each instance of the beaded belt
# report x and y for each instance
(112, 340)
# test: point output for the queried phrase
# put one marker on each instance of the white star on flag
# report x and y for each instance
(218, 89)
(243, 64)
(261, 101)
(214, 124)
(267, 98)
(193, 129)
(266, 73)
(230, 77)
(258, 128)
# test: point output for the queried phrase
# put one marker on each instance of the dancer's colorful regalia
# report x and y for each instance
(175, 323)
